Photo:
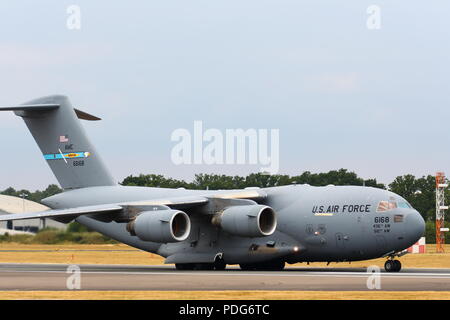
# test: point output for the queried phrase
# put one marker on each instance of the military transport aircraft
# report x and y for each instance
(259, 229)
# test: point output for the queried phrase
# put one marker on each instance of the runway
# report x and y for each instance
(37, 277)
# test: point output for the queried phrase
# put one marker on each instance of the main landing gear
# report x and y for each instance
(218, 265)
(392, 265)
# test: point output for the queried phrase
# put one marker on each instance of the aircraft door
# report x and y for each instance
(340, 242)
(381, 243)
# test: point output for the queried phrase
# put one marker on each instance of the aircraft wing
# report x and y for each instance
(59, 213)
(72, 213)
(176, 203)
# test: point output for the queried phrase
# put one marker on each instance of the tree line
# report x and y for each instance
(418, 191)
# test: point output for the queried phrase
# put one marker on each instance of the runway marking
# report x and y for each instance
(333, 275)
(163, 277)
(165, 270)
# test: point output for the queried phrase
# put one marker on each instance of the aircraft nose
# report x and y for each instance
(415, 226)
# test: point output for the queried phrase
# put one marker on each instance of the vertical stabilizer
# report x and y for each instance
(56, 127)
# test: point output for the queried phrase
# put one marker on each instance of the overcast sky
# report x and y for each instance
(374, 101)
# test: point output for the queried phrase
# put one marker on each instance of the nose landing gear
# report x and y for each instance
(392, 265)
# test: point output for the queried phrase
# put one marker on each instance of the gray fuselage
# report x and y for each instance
(332, 223)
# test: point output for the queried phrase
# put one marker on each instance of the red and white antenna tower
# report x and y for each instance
(440, 211)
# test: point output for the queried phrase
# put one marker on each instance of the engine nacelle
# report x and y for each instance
(247, 221)
(161, 226)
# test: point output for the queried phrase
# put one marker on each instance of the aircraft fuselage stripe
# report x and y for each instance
(69, 155)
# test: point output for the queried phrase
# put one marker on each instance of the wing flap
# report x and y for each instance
(250, 193)
(176, 203)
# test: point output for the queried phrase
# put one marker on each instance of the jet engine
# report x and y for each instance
(161, 226)
(247, 221)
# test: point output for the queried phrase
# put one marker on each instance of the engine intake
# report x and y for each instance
(247, 221)
(161, 226)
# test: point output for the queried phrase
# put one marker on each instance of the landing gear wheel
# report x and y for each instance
(220, 265)
(204, 266)
(184, 266)
(274, 266)
(392, 266)
(267, 266)
(389, 266)
(247, 267)
(397, 265)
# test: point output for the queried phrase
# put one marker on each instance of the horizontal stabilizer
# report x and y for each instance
(31, 107)
(73, 212)
(48, 107)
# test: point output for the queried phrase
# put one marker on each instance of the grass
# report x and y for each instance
(76, 254)
(225, 295)
(53, 236)
(123, 254)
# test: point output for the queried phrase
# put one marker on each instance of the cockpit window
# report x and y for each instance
(386, 205)
(404, 204)
(382, 206)
(392, 204)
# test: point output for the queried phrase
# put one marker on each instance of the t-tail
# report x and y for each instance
(56, 127)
